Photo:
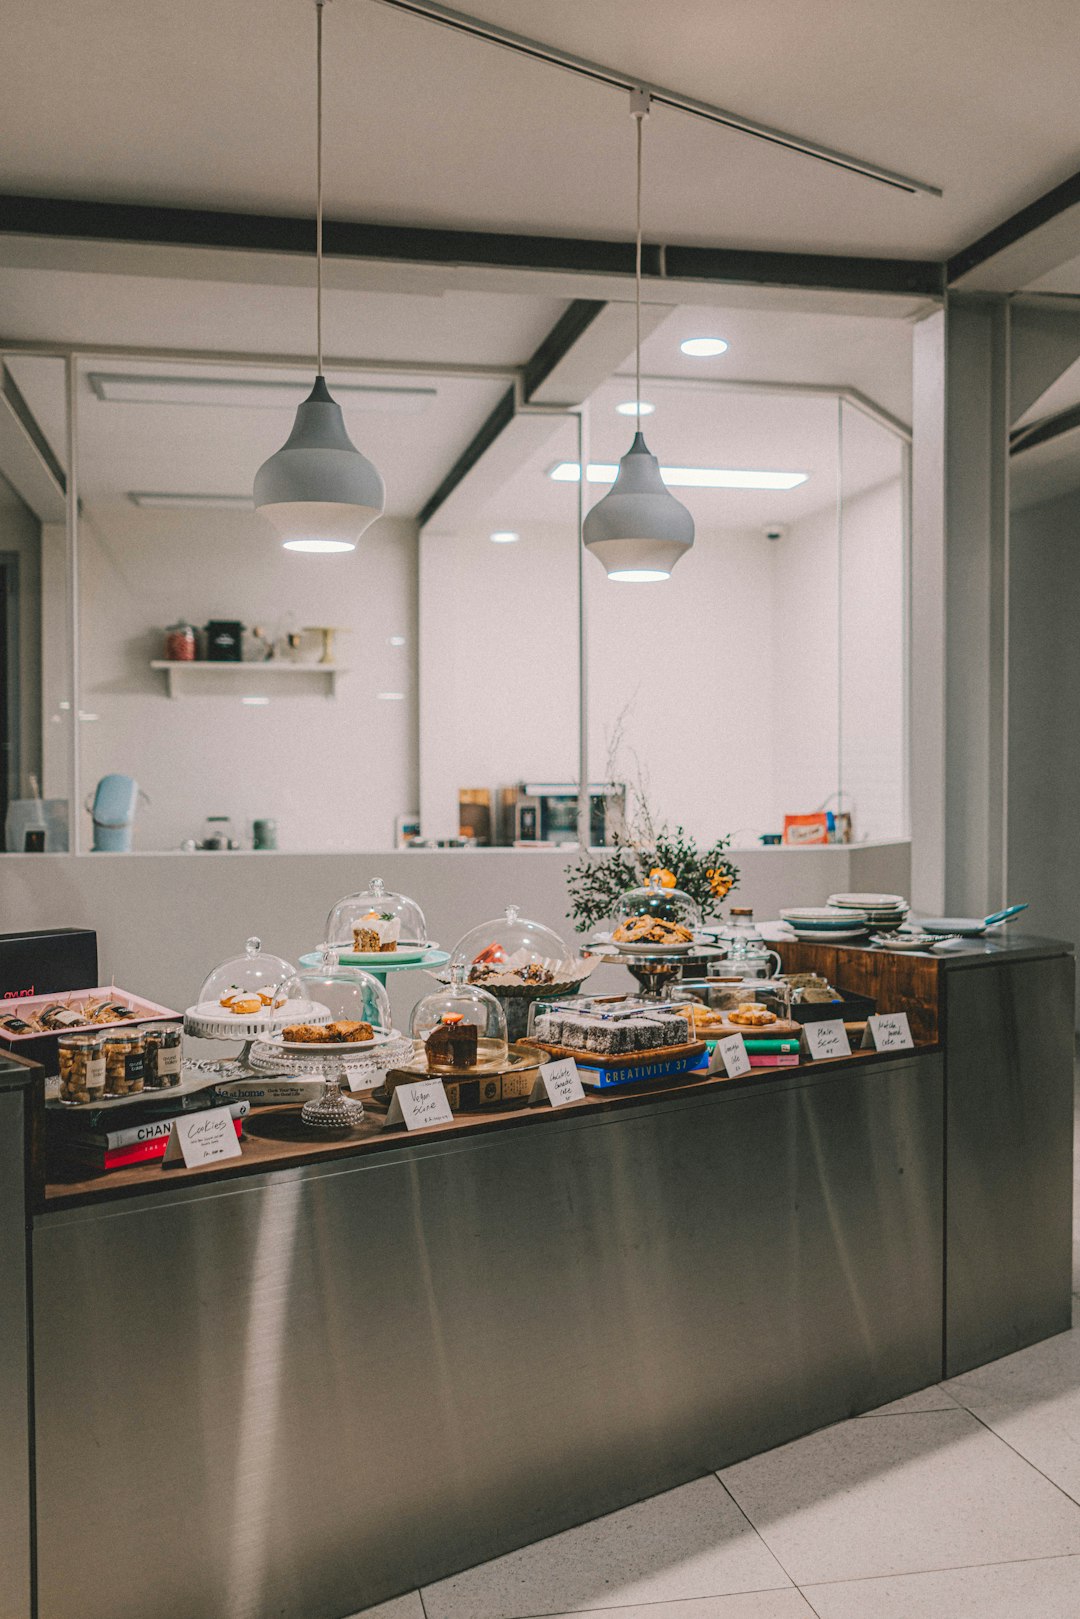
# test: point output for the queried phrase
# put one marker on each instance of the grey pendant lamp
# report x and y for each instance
(638, 530)
(319, 492)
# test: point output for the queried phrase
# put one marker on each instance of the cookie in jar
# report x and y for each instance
(82, 1068)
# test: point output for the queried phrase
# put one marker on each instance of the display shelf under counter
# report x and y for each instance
(345, 1369)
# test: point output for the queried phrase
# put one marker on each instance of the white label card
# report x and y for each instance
(202, 1138)
(730, 1055)
(365, 1079)
(827, 1039)
(419, 1104)
(559, 1082)
(888, 1031)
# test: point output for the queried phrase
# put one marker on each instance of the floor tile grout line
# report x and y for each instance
(945, 1568)
(650, 1602)
(1027, 1460)
(754, 1528)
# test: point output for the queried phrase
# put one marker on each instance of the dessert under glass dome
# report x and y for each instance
(517, 959)
(375, 921)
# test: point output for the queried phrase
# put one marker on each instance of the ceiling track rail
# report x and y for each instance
(335, 363)
(477, 28)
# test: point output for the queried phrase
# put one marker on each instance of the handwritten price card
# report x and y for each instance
(888, 1031)
(560, 1082)
(419, 1105)
(202, 1138)
(730, 1055)
(827, 1039)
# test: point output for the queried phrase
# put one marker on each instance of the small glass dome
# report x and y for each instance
(251, 984)
(657, 914)
(375, 920)
(349, 994)
(511, 950)
(460, 1026)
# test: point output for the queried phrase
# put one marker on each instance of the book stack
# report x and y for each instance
(101, 1149)
(772, 1051)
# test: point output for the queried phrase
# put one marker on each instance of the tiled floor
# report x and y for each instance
(962, 1502)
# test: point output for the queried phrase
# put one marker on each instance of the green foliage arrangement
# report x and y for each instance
(671, 858)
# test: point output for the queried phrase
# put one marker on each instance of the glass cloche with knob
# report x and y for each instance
(518, 959)
(460, 1027)
(656, 917)
(351, 997)
(376, 922)
(252, 993)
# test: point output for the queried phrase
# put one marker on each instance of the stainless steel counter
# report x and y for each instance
(307, 1391)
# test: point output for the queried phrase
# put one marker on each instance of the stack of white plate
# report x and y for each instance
(826, 924)
(883, 911)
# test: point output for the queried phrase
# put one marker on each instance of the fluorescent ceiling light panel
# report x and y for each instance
(390, 696)
(684, 477)
(165, 502)
(250, 394)
(702, 347)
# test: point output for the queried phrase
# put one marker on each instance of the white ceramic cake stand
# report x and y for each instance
(210, 1021)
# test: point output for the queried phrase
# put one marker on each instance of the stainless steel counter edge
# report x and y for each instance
(388, 1152)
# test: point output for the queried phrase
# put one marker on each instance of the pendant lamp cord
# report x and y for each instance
(318, 183)
(639, 107)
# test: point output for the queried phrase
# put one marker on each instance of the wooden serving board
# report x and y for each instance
(782, 1029)
(633, 1059)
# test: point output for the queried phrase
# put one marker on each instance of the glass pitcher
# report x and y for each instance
(745, 949)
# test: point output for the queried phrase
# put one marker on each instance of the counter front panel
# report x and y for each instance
(304, 1392)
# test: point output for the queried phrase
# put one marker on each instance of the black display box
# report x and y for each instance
(47, 961)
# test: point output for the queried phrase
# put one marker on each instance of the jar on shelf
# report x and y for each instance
(82, 1068)
(161, 1057)
(124, 1059)
(180, 642)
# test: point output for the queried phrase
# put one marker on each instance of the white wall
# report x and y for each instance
(725, 680)
(839, 664)
(334, 774)
(164, 920)
(498, 664)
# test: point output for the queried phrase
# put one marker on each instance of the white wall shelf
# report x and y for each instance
(200, 678)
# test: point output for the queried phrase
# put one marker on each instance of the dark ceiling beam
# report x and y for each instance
(1045, 430)
(1041, 212)
(118, 222)
(572, 323)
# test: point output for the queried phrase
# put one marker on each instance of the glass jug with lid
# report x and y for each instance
(745, 949)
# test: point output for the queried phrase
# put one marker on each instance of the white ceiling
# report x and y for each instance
(208, 105)
(690, 427)
(215, 450)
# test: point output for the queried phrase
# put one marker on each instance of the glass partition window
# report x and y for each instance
(37, 714)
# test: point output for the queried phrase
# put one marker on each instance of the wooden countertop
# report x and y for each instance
(274, 1139)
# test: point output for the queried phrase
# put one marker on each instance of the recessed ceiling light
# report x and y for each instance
(702, 347)
(140, 497)
(250, 392)
(504, 536)
(684, 477)
(397, 640)
(635, 407)
(255, 702)
(319, 546)
(390, 696)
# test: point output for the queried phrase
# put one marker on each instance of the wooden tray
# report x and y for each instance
(782, 1029)
(632, 1059)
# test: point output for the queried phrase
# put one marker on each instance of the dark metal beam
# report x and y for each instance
(559, 341)
(1040, 212)
(1044, 431)
(64, 219)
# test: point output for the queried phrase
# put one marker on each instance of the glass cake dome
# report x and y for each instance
(252, 984)
(461, 1026)
(376, 920)
(656, 914)
(349, 994)
(512, 951)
